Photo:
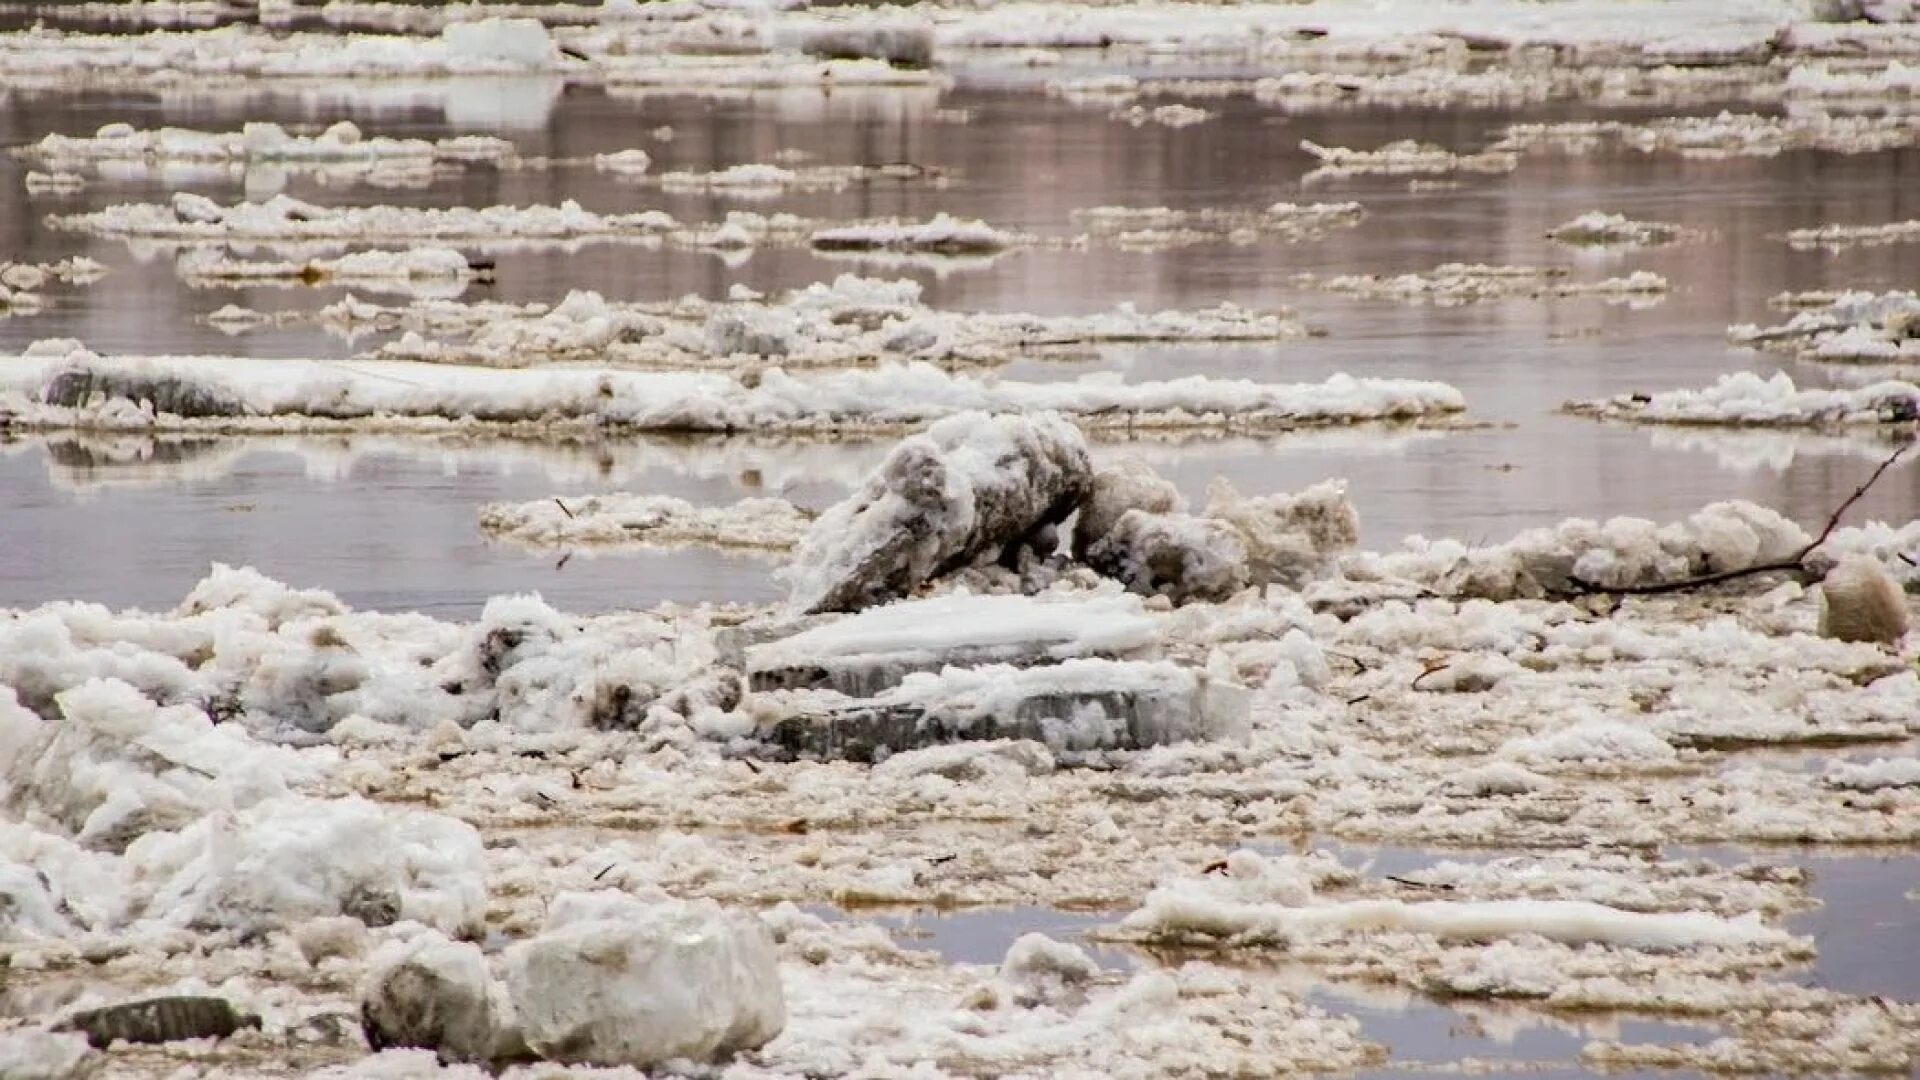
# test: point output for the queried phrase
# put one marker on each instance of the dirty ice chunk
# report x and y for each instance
(1860, 601)
(971, 486)
(436, 994)
(1179, 556)
(1078, 705)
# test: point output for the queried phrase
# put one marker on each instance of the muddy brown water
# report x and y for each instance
(396, 529)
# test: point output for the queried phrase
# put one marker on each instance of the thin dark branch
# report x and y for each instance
(1797, 562)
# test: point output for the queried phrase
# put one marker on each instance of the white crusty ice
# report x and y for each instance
(771, 525)
(1744, 397)
(276, 395)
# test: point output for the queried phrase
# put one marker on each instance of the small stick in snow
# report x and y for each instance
(1419, 884)
(1430, 669)
(1797, 562)
(563, 507)
(605, 872)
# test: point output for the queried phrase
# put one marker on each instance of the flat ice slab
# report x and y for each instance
(874, 650)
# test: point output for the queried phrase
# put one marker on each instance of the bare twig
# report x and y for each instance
(563, 507)
(1796, 562)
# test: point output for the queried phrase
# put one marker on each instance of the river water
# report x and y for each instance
(390, 523)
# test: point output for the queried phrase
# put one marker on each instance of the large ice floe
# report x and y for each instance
(59, 385)
(536, 836)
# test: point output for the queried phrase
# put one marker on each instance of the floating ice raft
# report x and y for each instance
(59, 385)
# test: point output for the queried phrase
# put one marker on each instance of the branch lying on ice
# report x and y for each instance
(1795, 564)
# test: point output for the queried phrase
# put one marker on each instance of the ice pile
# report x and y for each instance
(1745, 398)
(1853, 327)
(975, 488)
(1458, 283)
(59, 385)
